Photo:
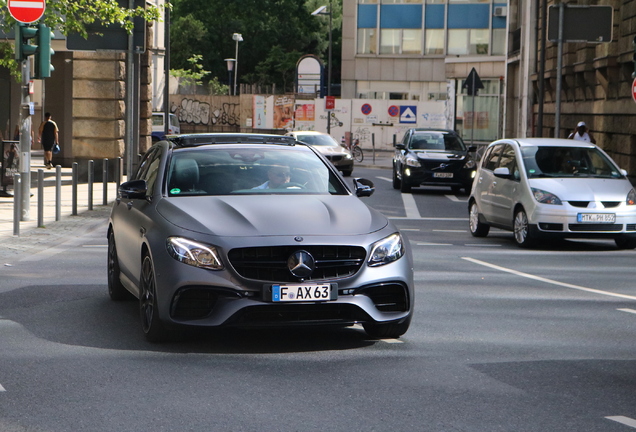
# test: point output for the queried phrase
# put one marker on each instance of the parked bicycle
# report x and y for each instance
(356, 151)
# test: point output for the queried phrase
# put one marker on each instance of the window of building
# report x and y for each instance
(401, 1)
(498, 42)
(480, 123)
(367, 41)
(434, 42)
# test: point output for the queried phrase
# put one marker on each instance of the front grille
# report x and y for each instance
(195, 303)
(611, 204)
(323, 313)
(451, 166)
(388, 298)
(337, 158)
(582, 204)
(595, 227)
(269, 264)
(550, 226)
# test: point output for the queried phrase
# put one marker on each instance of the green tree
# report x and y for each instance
(71, 16)
(276, 34)
(193, 75)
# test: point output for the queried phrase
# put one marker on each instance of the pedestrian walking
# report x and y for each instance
(48, 136)
(582, 134)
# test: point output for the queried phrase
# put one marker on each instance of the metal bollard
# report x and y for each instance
(74, 187)
(17, 199)
(91, 175)
(40, 198)
(58, 192)
(120, 171)
(105, 182)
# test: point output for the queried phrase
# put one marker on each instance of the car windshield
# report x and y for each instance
(240, 169)
(436, 141)
(317, 140)
(549, 161)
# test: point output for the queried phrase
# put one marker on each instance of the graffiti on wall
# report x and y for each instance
(363, 134)
(195, 112)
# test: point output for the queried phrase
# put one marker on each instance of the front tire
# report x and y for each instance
(357, 154)
(150, 323)
(396, 181)
(477, 228)
(116, 290)
(523, 232)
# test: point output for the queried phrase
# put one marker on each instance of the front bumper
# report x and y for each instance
(561, 221)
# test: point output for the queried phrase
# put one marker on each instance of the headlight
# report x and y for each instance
(412, 162)
(631, 197)
(470, 164)
(386, 250)
(545, 197)
(348, 156)
(193, 253)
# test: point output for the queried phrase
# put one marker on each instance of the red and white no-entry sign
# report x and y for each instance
(26, 11)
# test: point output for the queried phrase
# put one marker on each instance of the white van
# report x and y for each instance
(158, 129)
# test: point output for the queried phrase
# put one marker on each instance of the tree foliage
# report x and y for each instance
(71, 16)
(276, 33)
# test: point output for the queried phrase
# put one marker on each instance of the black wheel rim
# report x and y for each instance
(147, 297)
(112, 261)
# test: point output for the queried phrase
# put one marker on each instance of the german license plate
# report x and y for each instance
(596, 217)
(443, 175)
(304, 292)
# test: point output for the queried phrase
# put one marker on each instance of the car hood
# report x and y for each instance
(439, 155)
(331, 150)
(584, 188)
(272, 215)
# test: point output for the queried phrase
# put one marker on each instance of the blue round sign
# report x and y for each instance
(394, 111)
(366, 109)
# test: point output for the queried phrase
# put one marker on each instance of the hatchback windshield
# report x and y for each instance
(240, 169)
(436, 141)
(548, 161)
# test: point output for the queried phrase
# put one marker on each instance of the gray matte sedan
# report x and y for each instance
(254, 230)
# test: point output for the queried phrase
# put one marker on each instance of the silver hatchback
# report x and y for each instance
(545, 187)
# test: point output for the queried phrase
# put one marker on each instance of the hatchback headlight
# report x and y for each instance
(631, 197)
(412, 162)
(386, 250)
(194, 253)
(545, 197)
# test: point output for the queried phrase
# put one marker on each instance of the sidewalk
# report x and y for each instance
(34, 238)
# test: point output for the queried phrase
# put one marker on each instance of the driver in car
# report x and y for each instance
(277, 177)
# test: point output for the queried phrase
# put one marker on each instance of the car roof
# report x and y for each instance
(547, 142)
(197, 139)
(306, 133)
(433, 130)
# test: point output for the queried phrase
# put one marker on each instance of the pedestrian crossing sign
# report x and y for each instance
(408, 114)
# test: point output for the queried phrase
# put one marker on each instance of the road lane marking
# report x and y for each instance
(623, 420)
(627, 310)
(95, 246)
(455, 231)
(433, 244)
(482, 245)
(549, 281)
(427, 218)
(410, 207)
(2, 388)
(384, 178)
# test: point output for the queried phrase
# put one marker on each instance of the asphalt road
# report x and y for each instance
(503, 339)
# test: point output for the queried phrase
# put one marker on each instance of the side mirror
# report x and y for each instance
(502, 172)
(363, 187)
(134, 189)
(472, 149)
(624, 172)
(400, 146)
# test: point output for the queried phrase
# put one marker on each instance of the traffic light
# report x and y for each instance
(634, 57)
(43, 67)
(40, 46)
(23, 48)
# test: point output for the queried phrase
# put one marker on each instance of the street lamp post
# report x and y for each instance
(230, 67)
(238, 38)
(321, 11)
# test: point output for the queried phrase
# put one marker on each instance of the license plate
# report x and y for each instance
(596, 217)
(304, 293)
(443, 175)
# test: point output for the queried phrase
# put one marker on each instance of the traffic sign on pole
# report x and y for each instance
(26, 11)
(634, 89)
